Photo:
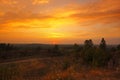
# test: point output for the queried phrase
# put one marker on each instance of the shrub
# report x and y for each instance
(65, 65)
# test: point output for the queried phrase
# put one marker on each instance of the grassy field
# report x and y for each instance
(53, 68)
(64, 62)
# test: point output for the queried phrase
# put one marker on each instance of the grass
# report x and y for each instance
(54, 69)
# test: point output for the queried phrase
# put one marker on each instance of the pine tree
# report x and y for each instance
(103, 44)
(88, 43)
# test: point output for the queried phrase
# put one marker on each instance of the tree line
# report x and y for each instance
(98, 56)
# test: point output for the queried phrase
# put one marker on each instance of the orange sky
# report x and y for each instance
(59, 21)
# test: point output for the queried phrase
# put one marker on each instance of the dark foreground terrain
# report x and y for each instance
(53, 69)
(60, 62)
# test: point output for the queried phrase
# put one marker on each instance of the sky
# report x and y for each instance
(59, 21)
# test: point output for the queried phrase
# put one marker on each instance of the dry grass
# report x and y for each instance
(54, 69)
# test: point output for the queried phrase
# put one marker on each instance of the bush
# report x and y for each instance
(65, 65)
(8, 72)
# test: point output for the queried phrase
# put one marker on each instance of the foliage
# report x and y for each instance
(76, 48)
(95, 56)
(56, 51)
(8, 72)
(6, 47)
(65, 65)
(118, 47)
(103, 44)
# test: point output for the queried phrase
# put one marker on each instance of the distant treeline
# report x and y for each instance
(4, 46)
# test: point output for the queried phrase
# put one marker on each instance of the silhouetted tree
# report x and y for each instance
(76, 51)
(88, 43)
(88, 52)
(118, 47)
(6, 47)
(95, 56)
(76, 47)
(103, 44)
(56, 50)
(2, 46)
(101, 58)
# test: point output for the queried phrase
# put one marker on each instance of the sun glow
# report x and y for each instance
(56, 35)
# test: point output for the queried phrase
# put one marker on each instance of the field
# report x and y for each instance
(53, 69)
(47, 64)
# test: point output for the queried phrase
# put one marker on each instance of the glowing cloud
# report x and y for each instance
(8, 2)
(40, 1)
(65, 21)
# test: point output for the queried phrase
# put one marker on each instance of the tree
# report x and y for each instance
(76, 47)
(95, 56)
(56, 47)
(88, 43)
(56, 50)
(88, 51)
(103, 44)
(104, 55)
(6, 47)
(118, 47)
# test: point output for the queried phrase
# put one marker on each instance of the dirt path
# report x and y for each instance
(27, 59)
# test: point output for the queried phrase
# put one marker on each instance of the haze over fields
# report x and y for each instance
(59, 21)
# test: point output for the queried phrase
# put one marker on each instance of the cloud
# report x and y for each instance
(102, 11)
(93, 19)
(1, 14)
(40, 1)
(26, 21)
(98, 17)
(8, 2)
(97, 12)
